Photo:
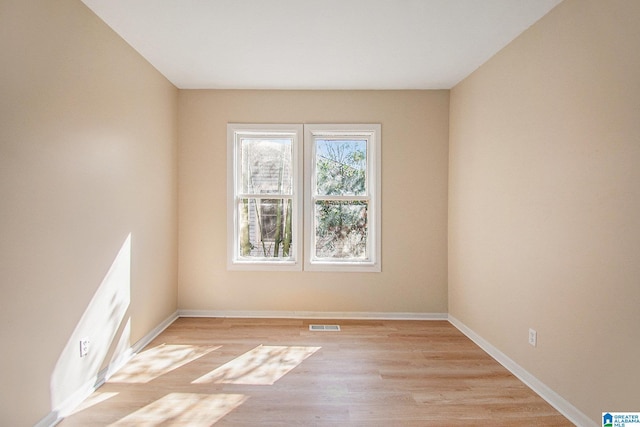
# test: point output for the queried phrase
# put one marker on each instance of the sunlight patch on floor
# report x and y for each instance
(151, 364)
(264, 365)
(186, 409)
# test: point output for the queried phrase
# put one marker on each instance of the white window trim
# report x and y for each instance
(234, 261)
(372, 132)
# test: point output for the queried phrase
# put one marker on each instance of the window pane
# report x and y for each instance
(265, 228)
(341, 167)
(341, 229)
(266, 166)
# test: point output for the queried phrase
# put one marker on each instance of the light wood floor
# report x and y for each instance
(246, 372)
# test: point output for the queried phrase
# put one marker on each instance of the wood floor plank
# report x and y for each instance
(275, 372)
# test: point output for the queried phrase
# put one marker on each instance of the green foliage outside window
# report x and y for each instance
(341, 226)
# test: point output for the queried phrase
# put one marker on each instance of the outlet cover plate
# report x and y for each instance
(84, 347)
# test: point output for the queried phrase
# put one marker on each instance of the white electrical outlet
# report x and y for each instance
(533, 337)
(84, 347)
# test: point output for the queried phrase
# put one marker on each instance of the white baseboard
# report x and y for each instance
(73, 401)
(51, 419)
(554, 399)
(117, 364)
(346, 315)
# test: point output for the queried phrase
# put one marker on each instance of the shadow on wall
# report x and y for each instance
(106, 325)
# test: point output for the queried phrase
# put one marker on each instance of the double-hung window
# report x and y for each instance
(339, 207)
(342, 197)
(264, 205)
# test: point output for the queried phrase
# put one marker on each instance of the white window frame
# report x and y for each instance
(372, 134)
(235, 132)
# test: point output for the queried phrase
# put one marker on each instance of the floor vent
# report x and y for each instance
(324, 327)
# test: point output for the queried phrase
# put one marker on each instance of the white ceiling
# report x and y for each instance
(318, 44)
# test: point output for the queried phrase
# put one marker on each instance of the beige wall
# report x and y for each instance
(414, 203)
(544, 223)
(88, 155)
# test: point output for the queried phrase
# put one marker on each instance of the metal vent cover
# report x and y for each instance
(334, 328)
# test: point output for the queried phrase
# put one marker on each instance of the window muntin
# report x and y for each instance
(264, 187)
